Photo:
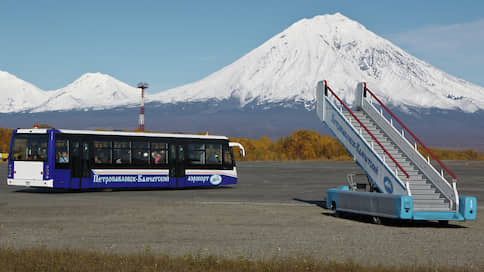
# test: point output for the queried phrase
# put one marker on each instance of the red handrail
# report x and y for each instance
(408, 130)
(366, 129)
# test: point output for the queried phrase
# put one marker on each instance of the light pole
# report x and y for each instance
(142, 86)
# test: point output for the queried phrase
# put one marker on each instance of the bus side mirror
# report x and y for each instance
(242, 150)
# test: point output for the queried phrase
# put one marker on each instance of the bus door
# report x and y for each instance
(177, 164)
(80, 172)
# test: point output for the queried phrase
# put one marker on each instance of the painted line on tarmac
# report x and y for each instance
(254, 203)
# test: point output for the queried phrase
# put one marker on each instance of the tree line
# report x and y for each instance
(5, 135)
(310, 145)
(300, 145)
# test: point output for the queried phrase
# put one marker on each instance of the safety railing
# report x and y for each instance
(326, 88)
(366, 90)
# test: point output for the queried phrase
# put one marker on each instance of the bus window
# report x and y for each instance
(141, 153)
(196, 154)
(213, 154)
(121, 152)
(20, 151)
(159, 153)
(62, 151)
(102, 152)
(30, 147)
(228, 159)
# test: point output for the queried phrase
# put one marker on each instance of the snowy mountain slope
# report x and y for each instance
(92, 90)
(282, 71)
(332, 47)
(18, 95)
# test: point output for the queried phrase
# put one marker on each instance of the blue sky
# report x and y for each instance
(171, 43)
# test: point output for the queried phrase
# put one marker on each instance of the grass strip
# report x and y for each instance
(43, 259)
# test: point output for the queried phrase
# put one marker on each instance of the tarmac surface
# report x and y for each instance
(275, 210)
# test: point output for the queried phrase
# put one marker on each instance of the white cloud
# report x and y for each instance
(457, 49)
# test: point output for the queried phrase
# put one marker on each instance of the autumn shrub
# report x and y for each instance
(300, 145)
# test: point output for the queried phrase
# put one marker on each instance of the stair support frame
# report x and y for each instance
(326, 107)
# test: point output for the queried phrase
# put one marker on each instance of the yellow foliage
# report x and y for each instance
(310, 145)
(5, 135)
(300, 145)
(447, 154)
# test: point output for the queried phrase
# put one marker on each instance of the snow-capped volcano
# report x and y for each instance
(92, 90)
(285, 69)
(18, 95)
(340, 50)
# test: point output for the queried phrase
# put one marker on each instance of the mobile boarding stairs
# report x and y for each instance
(406, 185)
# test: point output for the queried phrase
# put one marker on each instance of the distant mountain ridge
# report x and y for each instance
(269, 92)
(282, 71)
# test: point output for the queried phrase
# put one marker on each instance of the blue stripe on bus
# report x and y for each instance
(62, 179)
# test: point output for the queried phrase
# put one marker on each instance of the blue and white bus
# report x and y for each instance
(83, 159)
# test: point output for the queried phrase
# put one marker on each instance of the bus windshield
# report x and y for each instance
(29, 147)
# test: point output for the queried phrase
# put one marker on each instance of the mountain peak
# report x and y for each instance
(286, 68)
(17, 94)
(327, 21)
(91, 90)
(95, 78)
(328, 18)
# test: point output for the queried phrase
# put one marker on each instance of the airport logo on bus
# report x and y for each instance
(198, 179)
(215, 179)
(387, 183)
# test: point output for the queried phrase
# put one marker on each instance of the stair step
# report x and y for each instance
(431, 209)
(437, 201)
(426, 196)
(378, 135)
(417, 182)
(391, 149)
(420, 187)
(388, 159)
(411, 172)
(366, 124)
(430, 206)
(412, 179)
(414, 174)
(406, 163)
(415, 177)
(385, 143)
(422, 192)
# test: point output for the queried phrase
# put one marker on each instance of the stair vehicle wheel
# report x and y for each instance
(376, 220)
(443, 222)
(333, 208)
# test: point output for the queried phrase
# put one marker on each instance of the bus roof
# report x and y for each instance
(122, 133)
